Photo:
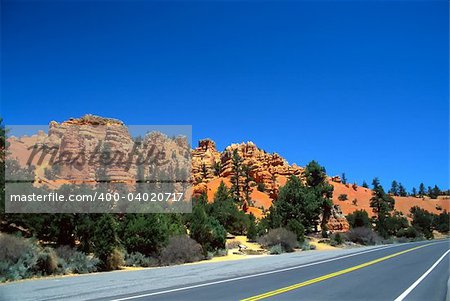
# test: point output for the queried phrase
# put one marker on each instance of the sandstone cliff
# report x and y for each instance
(92, 148)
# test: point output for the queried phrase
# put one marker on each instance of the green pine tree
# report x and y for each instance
(382, 205)
(422, 190)
(236, 168)
(394, 188)
(251, 228)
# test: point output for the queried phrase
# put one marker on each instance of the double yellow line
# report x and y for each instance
(328, 276)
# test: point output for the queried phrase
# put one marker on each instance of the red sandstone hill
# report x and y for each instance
(273, 171)
(402, 204)
(211, 166)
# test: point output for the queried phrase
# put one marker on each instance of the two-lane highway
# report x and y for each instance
(415, 271)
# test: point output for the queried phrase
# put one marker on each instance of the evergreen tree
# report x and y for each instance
(224, 209)
(296, 227)
(394, 188)
(402, 190)
(429, 191)
(145, 233)
(422, 190)
(105, 239)
(365, 185)
(316, 179)
(236, 168)
(248, 179)
(414, 191)
(343, 178)
(251, 228)
(294, 202)
(217, 167)
(304, 203)
(434, 192)
(382, 205)
(206, 230)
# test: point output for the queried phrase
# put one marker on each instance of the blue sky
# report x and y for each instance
(360, 86)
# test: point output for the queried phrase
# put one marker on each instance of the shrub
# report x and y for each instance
(387, 241)
(359, 218)
(306, 246)
(114, 260)
(12, 247)
(364, 236)
(395, 223)
(422, 221)
(18, 257)
(281, 236)
(342, 197)
(409, 232)
(233, 244)
(402, 240)
(65, 252)
(81, 263)
(22, 258)
(336, 239)
(276, 249)
(46, 262)
(181, 249)
(74, 261)
(137, 259)
(442, 222)
(222, 252)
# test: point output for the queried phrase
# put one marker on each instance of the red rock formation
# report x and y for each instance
(336, 179)
(205, 160)
(337, 221)
(269, 170)
(81, 144)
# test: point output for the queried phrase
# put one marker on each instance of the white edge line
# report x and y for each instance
(417, 282)
(255, 275)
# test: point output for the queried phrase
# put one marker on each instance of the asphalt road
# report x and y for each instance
(413, 271)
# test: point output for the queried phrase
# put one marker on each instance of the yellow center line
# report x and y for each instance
(328, 276)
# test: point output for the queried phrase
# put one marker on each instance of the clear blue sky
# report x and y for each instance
(360, 86)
